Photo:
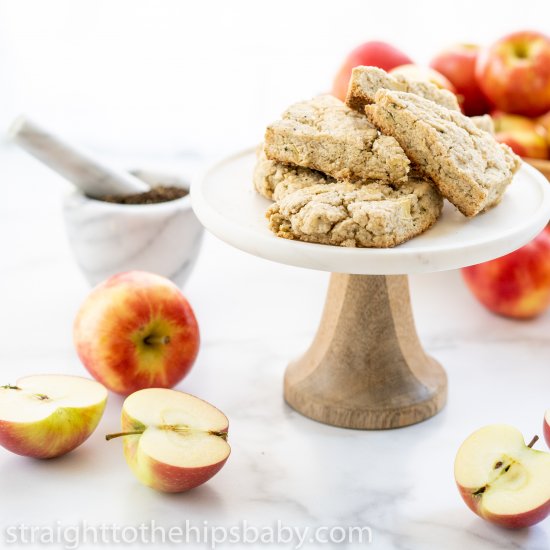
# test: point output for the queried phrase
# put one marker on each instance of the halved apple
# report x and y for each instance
(546, 427)
(173, 441)
(48, 415)
(502, 479)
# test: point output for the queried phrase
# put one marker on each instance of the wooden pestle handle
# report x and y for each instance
(90, 175)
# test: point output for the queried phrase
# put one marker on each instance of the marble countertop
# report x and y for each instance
(284, 469)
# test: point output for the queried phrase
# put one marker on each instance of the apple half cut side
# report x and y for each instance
(546, 427)
(173, 441)
(502, 479)
(46, 416)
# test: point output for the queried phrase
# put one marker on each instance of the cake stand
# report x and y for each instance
(366, 368)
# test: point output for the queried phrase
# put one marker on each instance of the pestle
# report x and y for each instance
(91, 176)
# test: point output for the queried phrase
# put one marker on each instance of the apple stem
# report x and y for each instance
(121, 434)
(533, 441)
(154, 340)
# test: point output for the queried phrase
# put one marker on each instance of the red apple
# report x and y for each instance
(457, 64)
(173, 441)
(524, 144)
(544, 126)
(136, 330)
(516, 285)
(514, 73)
(524, 135)
(505, 121)
(49, 415)
(374, 54)
(424, 74)
(546, 427)
(502, 479)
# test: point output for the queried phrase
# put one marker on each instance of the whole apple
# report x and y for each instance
(374, 54)
(506, 121)
(524, 143)
(46, 416)
(424, 74)
(173, 441)
(514, 73)
(502, 479)
(543, 123)
(522, 134)
(516, 285)
(458, 65)
(136, 330)
(546, 427)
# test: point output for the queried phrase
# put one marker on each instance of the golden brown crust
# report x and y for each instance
(366, 81)
(273, 180)
(325, 135)
(469, 167)
(374, 215)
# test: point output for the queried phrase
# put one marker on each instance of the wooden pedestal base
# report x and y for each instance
(366, 368)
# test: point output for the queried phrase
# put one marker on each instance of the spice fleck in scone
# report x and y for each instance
(372, 215)
(469, 167)
(274, 180)
(366, 81)
(324, 134)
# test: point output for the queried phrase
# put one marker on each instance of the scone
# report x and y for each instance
(274, 180)
(468, 166)
(325, 135)
(366, 81)
(484, 122)
(374, 215)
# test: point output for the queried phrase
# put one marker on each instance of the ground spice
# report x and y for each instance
(159, 193)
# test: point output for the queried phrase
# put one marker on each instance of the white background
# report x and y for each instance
(149, 75)
(157, 78)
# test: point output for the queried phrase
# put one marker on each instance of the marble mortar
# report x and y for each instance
(108, 238)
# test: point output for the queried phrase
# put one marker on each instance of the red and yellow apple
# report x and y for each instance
(506, 121)
(458, 64)
(543, 123)
(46, 416)
(173, 441)
(516, 285)
(524, 143)
(374, 54)
(522, 134)
(546, 427)
(424, 74)
(136, 330)
(514, 73)
(502, 479)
